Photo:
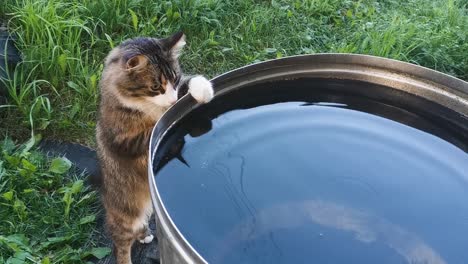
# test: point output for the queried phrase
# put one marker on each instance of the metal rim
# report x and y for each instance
(435, 86)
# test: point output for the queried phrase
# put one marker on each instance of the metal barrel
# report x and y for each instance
(445, 90)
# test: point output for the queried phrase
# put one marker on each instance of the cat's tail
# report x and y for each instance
(95, 179)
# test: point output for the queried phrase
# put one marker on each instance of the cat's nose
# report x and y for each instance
(172, 93)
(173, 97)
(172, 100)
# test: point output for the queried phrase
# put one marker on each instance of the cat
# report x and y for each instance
(141, 79)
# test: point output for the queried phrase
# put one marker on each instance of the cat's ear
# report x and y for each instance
(176, 43)
(136, 63)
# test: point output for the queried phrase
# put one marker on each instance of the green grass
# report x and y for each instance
(46, 217)
(54, 91)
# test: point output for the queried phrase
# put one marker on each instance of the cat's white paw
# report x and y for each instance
(201, 89)
(146, 240)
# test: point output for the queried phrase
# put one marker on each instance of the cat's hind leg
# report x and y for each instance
(145, 235)
(122, 233)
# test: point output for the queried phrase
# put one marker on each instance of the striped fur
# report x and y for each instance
(140, 80)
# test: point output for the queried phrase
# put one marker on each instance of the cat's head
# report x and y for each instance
(144, 70)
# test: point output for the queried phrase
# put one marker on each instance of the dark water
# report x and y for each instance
(315, 182)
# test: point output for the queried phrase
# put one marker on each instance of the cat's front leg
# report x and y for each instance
(201, 89)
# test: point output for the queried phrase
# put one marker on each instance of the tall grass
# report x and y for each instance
(65, 41)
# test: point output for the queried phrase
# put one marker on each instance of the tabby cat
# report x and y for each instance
(140, 81)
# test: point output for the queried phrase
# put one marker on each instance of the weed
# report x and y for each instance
(45, 216)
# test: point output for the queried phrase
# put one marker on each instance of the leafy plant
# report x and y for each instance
(47, 214)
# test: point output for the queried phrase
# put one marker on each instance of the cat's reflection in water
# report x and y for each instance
(195, 127)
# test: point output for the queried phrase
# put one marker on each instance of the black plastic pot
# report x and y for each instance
(9, 57)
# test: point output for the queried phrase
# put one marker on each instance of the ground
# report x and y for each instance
(53, 93)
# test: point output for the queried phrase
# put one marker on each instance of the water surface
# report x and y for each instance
(321, 181)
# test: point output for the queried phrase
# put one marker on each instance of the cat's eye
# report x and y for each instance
(157, 89)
